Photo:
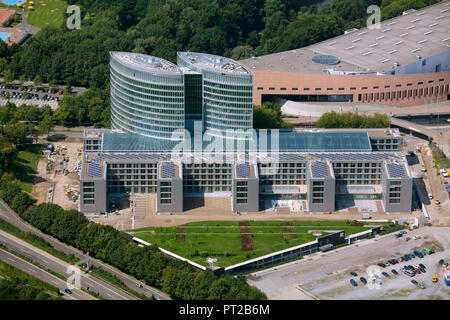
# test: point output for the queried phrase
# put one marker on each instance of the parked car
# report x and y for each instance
(68, 291)
(363, 280)
(353, 273)
(394, 271)
(398, 235)
(384, 266)
(430, 196)
(353, 282)
(408, 272)
(411, 256)
(421, 265)
(385, 274)
(417, 253)
(407, 238)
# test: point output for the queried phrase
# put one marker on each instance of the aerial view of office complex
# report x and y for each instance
(218, 151)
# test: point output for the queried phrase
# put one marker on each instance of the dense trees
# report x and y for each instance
(268, 116)
(353, 120)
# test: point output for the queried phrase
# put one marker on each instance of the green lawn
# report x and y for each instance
(25, 166)
(222, 239)
(47, 13)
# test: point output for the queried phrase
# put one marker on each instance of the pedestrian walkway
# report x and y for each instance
(140, 210)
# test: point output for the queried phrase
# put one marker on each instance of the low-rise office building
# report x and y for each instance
(319, 166)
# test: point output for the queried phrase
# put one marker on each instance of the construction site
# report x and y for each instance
(58, 180)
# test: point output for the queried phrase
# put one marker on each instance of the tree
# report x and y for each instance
(22, 79)
(353, 120)
(8, 76)
(45, 125)
(3, 64)
(9, 191)
(268, 116)
(242, 52)
(21, 202)
(37, 80)
(17, 133)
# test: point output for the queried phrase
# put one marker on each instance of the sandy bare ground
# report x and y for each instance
(120, 222)
(43, 179)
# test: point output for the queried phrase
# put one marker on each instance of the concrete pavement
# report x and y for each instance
(36, 272)
(87, 281)
(321, 272)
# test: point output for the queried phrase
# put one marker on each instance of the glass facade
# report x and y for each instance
(193, 83)
(147, 96)
(227, 92)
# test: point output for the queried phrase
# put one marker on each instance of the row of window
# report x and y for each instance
(396, 95)
(352, 88)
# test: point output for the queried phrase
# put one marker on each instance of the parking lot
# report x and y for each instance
(327, 275)
(34, 94)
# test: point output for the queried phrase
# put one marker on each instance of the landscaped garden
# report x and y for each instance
(233, 242)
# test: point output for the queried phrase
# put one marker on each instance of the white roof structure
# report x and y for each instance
(399, 41)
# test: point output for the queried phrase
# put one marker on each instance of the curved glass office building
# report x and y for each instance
(227, 92)
(147, 96)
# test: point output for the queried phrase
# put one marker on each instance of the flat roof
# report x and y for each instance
(213, 62)
(262, 141)
(15, 35)
(5, 15)
(93, 163)
(145, 62)
(421, 32)
(319, 169)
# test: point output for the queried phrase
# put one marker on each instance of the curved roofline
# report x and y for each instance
(145, 63)
(213, 62)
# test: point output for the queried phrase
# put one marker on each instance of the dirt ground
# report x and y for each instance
(123, 221)
(43, 180)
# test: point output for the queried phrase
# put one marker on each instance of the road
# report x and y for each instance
(128, 280)
(36, 272)
(52, 263)
(326, 275)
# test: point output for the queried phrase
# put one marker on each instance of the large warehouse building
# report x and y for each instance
(171, 137)
(405, 62)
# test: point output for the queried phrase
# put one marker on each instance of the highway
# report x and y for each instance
(52, 263)
(36, 272)
(11, 217)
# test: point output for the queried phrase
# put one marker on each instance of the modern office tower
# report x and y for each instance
(227, 92)
(147, 96)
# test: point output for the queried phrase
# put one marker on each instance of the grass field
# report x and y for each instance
(47, 13)
(25, 166)
(222, 239)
